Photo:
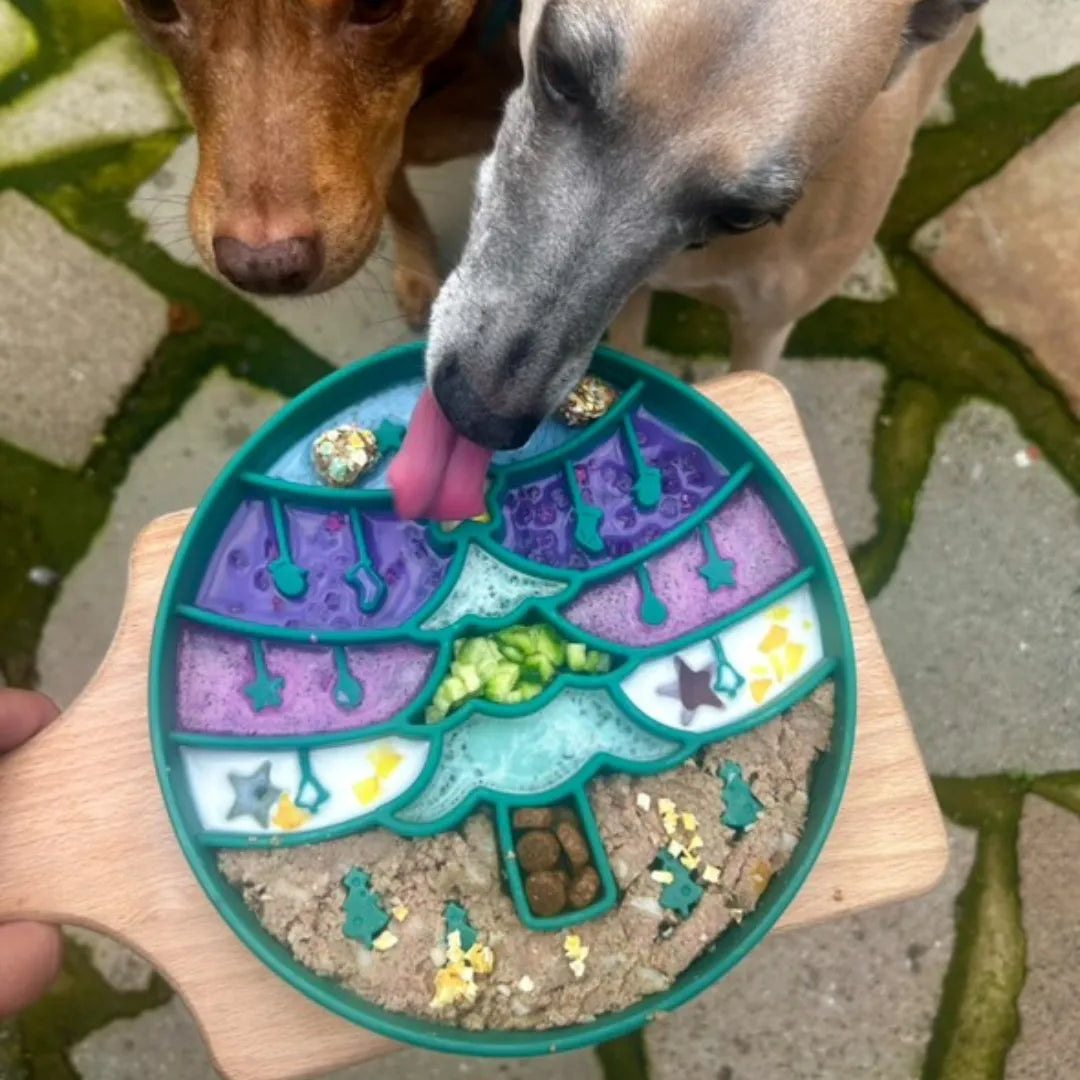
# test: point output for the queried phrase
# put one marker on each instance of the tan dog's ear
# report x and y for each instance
(929, 22)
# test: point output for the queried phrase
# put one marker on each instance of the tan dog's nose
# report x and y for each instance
(275, 269)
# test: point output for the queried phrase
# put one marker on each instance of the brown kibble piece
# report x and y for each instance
(584, 889)
(573, 843)
(564, 813)
(537, 850)
(534, 817)
(546, 893)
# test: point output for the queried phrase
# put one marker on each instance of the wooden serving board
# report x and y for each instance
(86, 839)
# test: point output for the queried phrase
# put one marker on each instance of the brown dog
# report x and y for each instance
(766, 135)
(306, 113)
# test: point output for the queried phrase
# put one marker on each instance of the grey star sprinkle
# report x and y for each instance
(255, 795)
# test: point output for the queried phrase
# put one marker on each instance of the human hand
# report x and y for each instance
(30, 953)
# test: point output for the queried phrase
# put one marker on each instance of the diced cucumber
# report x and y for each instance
(470, 676)
(577, 657)
(513, 654)
(538, 669)
(502, 683)
(597, 662)
(529, 690)
(520, 638)
(455, 689)
(550, 645)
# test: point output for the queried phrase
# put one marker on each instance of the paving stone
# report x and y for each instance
(423, 1065)
(1048, 1047)
(111, 94)
(76, 329)
(1027, 39)
(18, 39)
(122, 969)
(172, 472)
(871, 281)
(850, 999)
(940, 112)
(981, 619)
(1011, 248)
(162, 1044)
(359, 317)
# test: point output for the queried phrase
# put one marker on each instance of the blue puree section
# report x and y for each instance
(396, 405)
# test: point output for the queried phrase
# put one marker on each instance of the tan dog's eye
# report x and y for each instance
(370, 12)
(160, 11)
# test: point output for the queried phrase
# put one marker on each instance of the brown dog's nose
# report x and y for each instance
(283, 267)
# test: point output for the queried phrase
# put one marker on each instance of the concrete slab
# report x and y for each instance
(847, 1000)
(871, 280)
(1047, 1047)
(1027, 39)
(1011, 248)
(981, 619)
(122, 969)
(361, 316)
(111, 94)
(76, 329)
(422, 1065)
(18, 39)
(172, 472)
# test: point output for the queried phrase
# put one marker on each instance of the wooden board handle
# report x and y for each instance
(86, 840)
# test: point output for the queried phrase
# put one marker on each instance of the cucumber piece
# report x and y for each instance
(470, 676)
(433, 714)
(513, 654)
(550, 645)
(597, 662)
(577, 657)
(538, 669)
(502, 683)
(455, 689)
(529, 690)
(520, 638)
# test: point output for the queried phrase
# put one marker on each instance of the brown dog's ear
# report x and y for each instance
(929, 22)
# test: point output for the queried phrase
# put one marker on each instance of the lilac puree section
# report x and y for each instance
(540, 520)
(238, 581)
(744, 530)
(214, 668)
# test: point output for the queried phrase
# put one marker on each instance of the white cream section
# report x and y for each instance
(349, 773)
(770, 651)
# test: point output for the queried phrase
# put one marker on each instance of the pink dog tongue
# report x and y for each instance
(438, 473)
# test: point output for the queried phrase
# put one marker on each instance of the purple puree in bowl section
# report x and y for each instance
(214, 668)
(238, 582)
(540, 520)
(744, 531)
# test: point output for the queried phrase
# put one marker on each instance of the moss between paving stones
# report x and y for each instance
(79, 1004)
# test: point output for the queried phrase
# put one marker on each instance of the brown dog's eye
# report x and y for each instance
(160, 11)
(370, 12)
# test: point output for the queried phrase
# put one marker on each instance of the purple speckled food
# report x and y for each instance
(214, 668)
(540, 522)
(238, 581)
(744, 531)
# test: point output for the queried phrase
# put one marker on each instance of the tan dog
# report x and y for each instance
(306, 112)
(646, 127)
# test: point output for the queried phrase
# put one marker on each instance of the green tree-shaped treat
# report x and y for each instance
(457, 920)
(682, 894)
(365, 918)
(741, 807)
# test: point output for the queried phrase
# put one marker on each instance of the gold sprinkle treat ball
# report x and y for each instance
(343, 454)
(588, 401)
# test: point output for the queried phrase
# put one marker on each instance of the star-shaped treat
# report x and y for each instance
(693, 689)
(389, 436)
(255, 795)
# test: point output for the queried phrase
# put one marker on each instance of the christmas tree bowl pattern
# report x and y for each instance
(641, 591)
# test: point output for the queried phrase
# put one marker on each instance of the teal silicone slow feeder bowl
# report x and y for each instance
(305, 637)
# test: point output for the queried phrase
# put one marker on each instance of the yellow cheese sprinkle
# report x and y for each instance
(665, 806)
(711, 874)
(481, 958)
(675, 848)
(689, 822)
(664, 877)
(574, 949)
(401, 912)
(526, 985)
(691, 862)
(367, 791)
(696, 843)
(384, 942)
(384, 760)
(644, 800)
(578, 968)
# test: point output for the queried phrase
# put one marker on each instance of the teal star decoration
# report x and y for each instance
(365, 918)
(457, 921)
(682, 894)
(389, 436)
(310, 795)
(741, 806)
(255, 795)
(265, 691)
(716, 571)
